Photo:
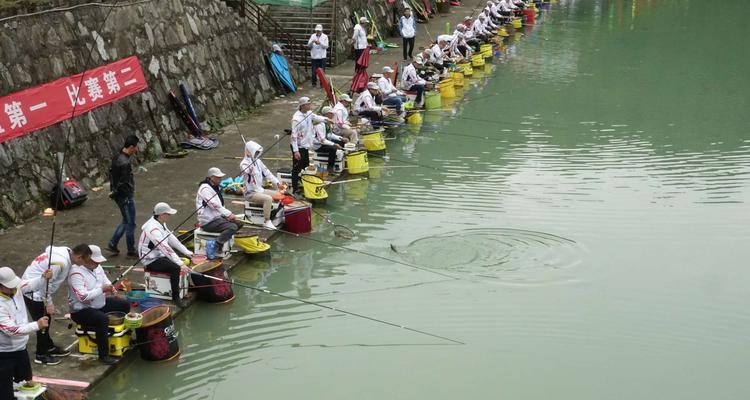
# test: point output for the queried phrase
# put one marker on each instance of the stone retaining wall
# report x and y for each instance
(202, 43)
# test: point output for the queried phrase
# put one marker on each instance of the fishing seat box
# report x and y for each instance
(199, 243)
(284, 175)
(254, 213)
(119, 340)
(157, 285)
(321, 161)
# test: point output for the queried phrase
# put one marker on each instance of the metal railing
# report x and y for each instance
(272, 30)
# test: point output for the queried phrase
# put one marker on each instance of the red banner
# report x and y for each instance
(44, 105)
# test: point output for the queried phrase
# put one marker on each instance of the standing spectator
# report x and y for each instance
(407, 27)
(318, 44)
(122, 190)
(360, 37)
(15, 328)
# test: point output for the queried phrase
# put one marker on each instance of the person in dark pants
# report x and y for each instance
(407, 27)
(58, 260)
(212, 215)
(15, 328)
(90, 297)
(318, 44)
(156, 246)
(301, 140)
(359, 38)
(122, 190)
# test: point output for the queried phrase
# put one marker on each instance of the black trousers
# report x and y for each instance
(316, 63)
(96, 320)
(43, 341)
(373, 116)
(224, 227)
(331, 151)
(357, 53)
(408, 43)
(166, 265)
(14, 367)
(298, 166)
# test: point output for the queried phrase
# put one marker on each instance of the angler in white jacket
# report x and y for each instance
(341, 125)
(321, 143)
(365, 105)
(90, 297)
(157, 249)
(254, 171)
(212, 215)
(15, 328)
(39, 302)
(318, 44)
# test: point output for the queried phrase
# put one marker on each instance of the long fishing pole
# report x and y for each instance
(316, 304)
(360, 252)
(58, 197)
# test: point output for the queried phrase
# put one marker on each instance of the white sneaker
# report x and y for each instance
(269, 225)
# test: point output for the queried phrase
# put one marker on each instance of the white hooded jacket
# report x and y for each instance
(14, 321)
(253, 170)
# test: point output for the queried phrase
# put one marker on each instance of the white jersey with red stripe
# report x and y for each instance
(14, 321)
(59, 263)
(156, 236)
(85, 288)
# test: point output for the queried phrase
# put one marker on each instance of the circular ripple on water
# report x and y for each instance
(507, 255)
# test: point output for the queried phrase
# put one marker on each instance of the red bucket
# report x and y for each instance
(530, 15)
(298, 217)
(157, 337)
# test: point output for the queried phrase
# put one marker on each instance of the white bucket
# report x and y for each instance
(350, 147)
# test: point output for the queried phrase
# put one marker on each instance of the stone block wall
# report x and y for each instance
(345, 21)
(202, 43)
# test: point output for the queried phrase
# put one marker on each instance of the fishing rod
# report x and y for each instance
(359, 251)
(58, 197)
(316, 304)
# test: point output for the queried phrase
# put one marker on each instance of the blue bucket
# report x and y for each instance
(149, 303)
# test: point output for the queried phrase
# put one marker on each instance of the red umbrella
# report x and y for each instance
(360, 71)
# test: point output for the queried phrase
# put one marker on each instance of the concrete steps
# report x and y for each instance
(300, 23)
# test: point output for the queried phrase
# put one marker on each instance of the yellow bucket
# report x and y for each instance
(458, 79)
(356, 162)
(432, 100)
(251, 244)
(466, 68)
(313, 188)
(415, 118)
(517, 24)
(486, 50)
(477, 61)
(373, 141)
(446, 88)
(502, 32)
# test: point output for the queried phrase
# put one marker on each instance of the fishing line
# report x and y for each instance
(316, 304)
(361, 252)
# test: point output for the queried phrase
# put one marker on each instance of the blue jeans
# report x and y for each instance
(394, 102)
(316, 63)
(127, 226)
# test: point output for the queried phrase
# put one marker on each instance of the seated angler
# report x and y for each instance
(410, 81)
(157, 249)
(365, 105)
(331, 135)
(253, 172)
(392, 97)
(438, 55)
(90, 297)
(212, 215)
(321, 144)
(341, 125)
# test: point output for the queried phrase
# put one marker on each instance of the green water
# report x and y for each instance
(596, 219)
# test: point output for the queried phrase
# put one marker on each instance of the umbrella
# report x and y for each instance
(360, 79)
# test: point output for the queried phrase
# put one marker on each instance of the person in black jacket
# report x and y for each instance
(122, 190)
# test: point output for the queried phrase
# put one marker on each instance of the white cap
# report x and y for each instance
(8, 278)
(345, 97)
(326, 110)
(96, 254)
(387, 69)
(304, 100)
(318, 27)
(377, 76)
(467, 18)
(362, 19)
(213, 171)
(372, 85)
(276, 47)
(164, 208)
(418, 60)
